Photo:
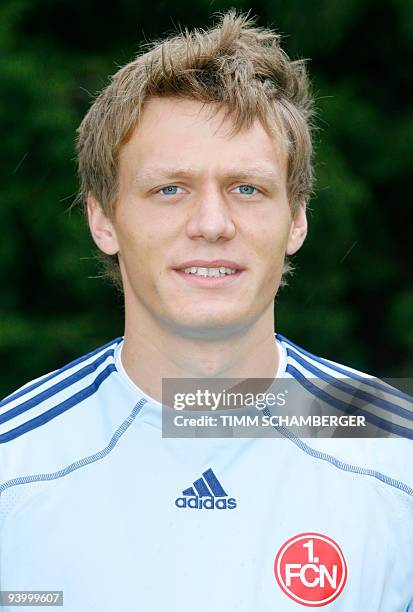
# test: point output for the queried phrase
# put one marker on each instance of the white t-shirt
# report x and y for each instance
(94, 502)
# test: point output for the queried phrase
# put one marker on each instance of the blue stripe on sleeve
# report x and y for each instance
(346, 388)
(399, 430)
(48, 377)
(59, 408)
(342, 370)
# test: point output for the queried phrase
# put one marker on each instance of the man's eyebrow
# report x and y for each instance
(169, 173)
(254, 171)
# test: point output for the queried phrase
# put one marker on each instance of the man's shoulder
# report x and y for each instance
(53, 394)
(388, 402)
(387, 452)
(301, 362)
(316, 364)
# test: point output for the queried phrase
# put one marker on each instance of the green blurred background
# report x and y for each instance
(351, 297)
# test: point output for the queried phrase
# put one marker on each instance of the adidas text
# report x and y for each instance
(206, 503)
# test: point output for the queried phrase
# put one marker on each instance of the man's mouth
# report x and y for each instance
(217, 273)
(199, 271)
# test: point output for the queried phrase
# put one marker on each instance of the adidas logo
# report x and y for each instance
(207, 493)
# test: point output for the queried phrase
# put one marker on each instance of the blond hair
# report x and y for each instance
(235, 66)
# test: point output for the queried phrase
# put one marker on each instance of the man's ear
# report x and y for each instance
(101, 227)
(298, 230)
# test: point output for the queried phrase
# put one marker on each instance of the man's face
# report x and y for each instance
(193, 196)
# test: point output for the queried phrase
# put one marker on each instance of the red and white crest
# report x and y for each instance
(310, 568)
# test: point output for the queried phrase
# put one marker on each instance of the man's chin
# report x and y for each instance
(210, 330)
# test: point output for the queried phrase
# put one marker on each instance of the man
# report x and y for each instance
(195, 165)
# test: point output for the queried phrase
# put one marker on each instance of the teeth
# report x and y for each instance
(209, 271)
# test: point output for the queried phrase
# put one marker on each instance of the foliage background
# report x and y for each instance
(351, 297)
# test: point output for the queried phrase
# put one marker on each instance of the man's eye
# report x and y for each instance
(169, 190)
(247, 190)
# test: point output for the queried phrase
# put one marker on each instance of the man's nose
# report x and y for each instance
(211, 217)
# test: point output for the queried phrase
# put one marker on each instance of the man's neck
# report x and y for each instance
(151, 352)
